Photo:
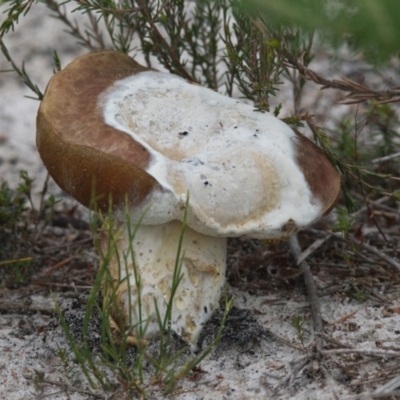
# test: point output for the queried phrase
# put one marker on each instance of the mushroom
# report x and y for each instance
(151, 138)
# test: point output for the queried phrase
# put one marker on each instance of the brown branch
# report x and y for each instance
(344, 318)
(357, 92)
(61, 264)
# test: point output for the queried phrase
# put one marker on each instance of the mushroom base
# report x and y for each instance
(155, 255)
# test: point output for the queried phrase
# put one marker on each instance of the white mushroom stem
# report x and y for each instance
(155, 254)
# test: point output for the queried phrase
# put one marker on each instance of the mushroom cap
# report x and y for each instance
(109, 126)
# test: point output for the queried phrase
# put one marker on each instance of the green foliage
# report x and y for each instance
(396, 194)
(185, 39)
(17, 270)
(21, 225)
(12, 207)
(16, 206)
(13, 223)
(298, 324)
(16, 9)
(352, 290)
(344, 222)
(253, 59)
(368, 25)
(384, 120)
(20, 71)
(359, 296)
(346, 143)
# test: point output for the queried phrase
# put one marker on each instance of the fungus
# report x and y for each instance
(109, 122)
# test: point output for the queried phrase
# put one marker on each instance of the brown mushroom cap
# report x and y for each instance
(83, 153)
(321, 176)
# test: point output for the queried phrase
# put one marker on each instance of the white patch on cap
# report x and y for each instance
(238, 165)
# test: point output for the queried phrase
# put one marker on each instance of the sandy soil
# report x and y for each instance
(30, 340)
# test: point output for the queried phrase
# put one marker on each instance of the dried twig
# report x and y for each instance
(311, 290)
(371, 396)
(66, 387)
(362, 382)
(357, 92)
(295, 368)
(390, 386)
(394, 263)
(306, 253)
(361, 210)
(344, 318)
(370, 353)
(61, 285)
(17, 305)
(61, 263)
(333, 341)
(285, 342)
(386, 158)
(370, 249)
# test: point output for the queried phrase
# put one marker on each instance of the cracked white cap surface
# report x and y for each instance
(238, 165)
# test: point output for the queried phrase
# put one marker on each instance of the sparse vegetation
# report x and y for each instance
(298, 325)
(21, 226)
(114, 359)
